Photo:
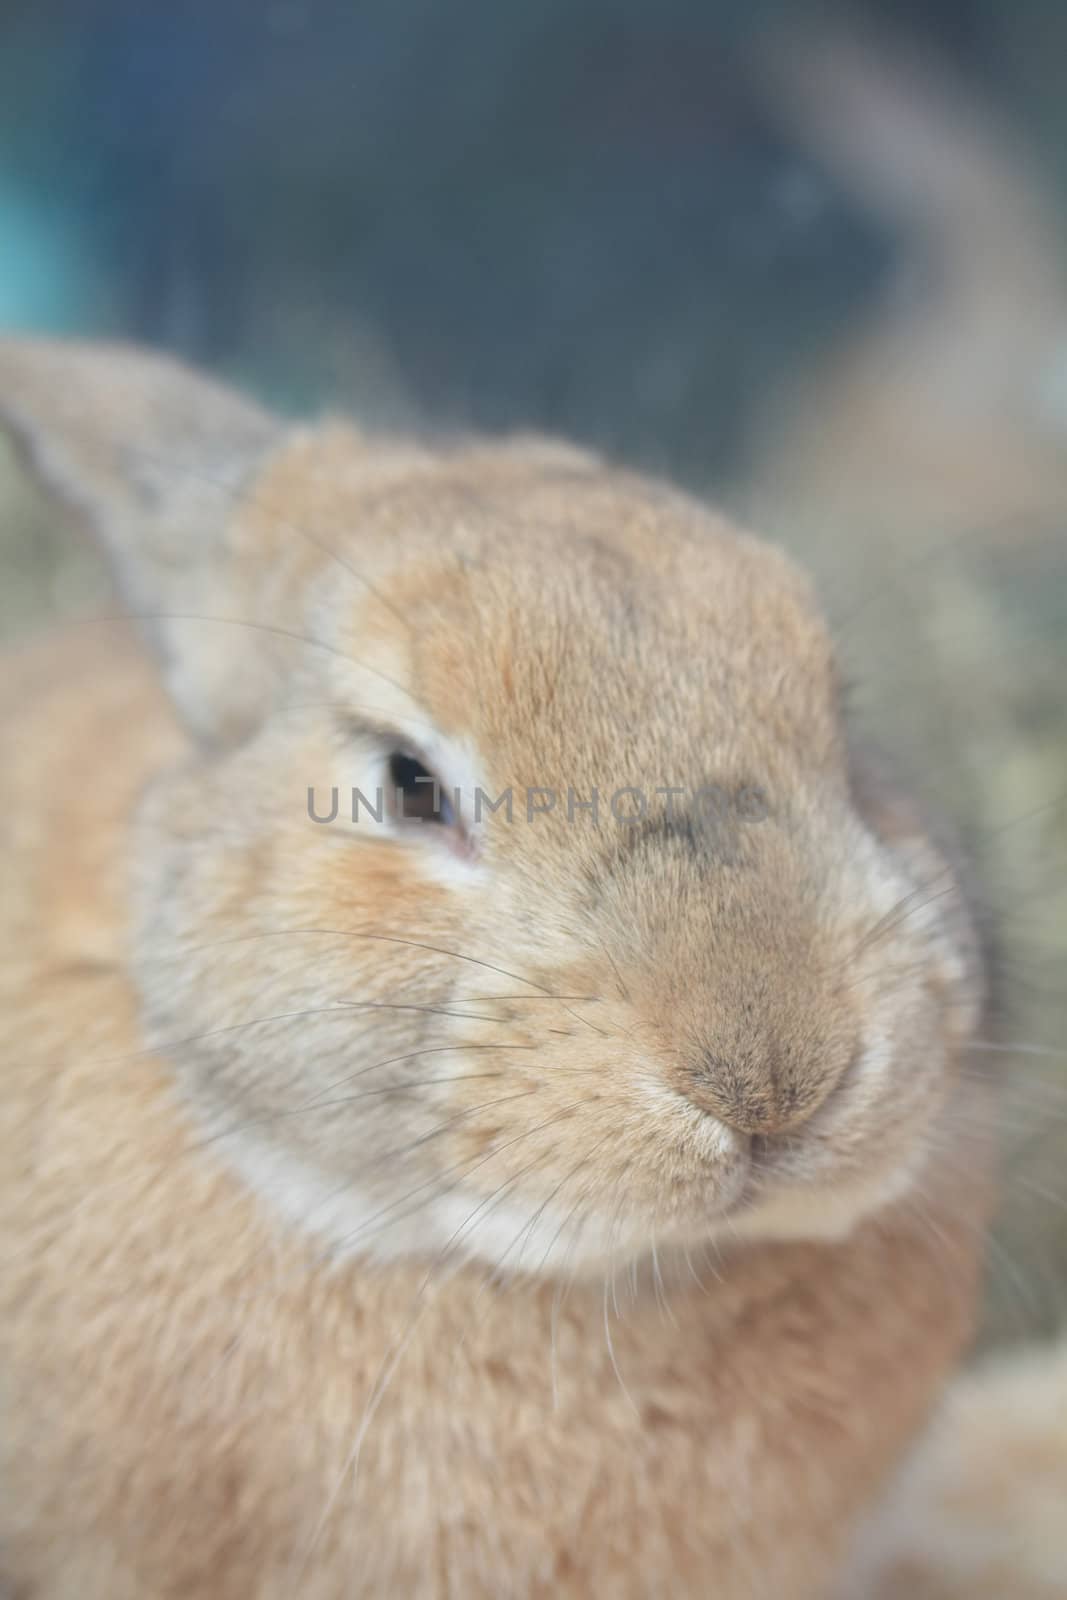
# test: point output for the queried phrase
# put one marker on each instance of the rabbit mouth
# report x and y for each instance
(810, 1189)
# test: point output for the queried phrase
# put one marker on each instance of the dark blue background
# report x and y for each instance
(576, 214)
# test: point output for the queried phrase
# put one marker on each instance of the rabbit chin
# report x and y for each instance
(828, 1211)
(532, 1236)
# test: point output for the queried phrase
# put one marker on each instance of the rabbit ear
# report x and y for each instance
(155, 457)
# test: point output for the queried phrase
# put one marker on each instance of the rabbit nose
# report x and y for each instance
(761, 1093)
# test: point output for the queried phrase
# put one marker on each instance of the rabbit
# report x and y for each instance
(406, 1195)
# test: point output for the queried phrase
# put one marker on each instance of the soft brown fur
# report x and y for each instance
(558, 1210)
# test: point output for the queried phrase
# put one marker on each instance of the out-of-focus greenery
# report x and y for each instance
(577, 215)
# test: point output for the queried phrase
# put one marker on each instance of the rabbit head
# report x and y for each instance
(519, 895)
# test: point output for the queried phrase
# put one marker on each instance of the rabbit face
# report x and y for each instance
(539, 920)
(520, 897)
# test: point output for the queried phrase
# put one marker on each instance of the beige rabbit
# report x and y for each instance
(453, 1203)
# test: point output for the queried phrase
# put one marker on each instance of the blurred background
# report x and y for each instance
(807, 260)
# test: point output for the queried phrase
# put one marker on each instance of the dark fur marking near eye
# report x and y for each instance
(713, 840)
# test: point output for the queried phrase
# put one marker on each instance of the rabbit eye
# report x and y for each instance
(417, 794)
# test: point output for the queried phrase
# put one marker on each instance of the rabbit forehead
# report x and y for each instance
(511, 599)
